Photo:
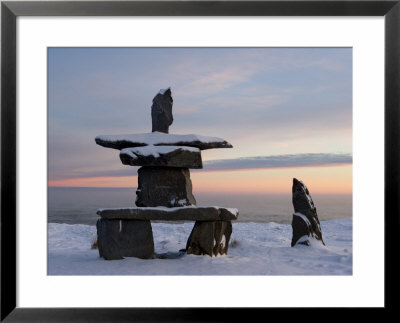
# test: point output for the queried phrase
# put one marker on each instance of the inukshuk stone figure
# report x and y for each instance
(164, 190)
(305, 223)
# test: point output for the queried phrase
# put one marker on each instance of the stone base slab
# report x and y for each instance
(186, 213)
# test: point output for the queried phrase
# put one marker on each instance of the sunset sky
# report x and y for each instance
(286, 111)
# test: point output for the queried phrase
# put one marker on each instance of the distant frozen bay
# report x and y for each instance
(79, 205)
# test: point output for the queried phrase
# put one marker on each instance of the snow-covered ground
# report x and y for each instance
(255, 249)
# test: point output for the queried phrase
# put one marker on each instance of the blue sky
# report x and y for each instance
(264, 101)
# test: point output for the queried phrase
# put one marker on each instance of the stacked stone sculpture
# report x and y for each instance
(164, 190)
(305, 223)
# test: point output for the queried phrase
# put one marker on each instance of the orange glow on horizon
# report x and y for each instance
(319, 180)
(322, 180)
(103, 181)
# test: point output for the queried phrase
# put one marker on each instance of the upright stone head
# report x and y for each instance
(161, 111)
(302, 201)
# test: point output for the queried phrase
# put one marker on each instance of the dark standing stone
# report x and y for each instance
(164, 186)
(125, 238)
(301, 229)
(161, 111)
(209, 238)
(305, 221)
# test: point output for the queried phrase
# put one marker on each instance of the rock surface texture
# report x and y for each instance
(121, 238)
(305, 223)
(186, 213)
(209, 238)
(169, 156)
(164, 186)
(161, 111)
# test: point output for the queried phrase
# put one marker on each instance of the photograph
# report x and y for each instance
(233, 161)
(156, 152)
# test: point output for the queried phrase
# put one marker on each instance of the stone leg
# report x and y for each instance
(107, 239)
(222, 234)
(209, 238)
(125, 238)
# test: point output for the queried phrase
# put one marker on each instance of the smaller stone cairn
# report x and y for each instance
(164, 190)
(305, 223)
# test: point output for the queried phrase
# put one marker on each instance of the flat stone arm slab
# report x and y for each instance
(160, 139)
(169, 156)
(188, 213)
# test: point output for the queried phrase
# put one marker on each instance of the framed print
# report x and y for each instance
(300, 90)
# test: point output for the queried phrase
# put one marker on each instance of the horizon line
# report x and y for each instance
(199, 192)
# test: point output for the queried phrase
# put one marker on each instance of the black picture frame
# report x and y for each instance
(10, 10)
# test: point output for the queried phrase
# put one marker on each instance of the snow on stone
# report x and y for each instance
(310, 202)
(162, 91)
(234, 211)
(223, 241)
(155, 151)
(302, 239)
(255, 249)
(305, 219)
(167, 209)
(182, 202)
(157, 138)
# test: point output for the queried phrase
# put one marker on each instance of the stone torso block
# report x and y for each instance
(164, 186)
